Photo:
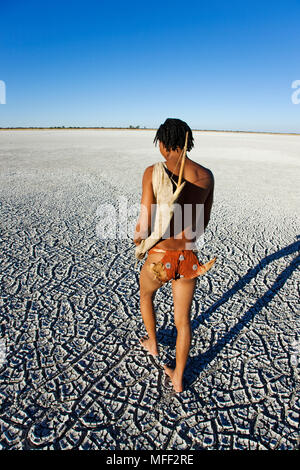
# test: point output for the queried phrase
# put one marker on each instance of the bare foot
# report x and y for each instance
(177, 383)
(149, 344)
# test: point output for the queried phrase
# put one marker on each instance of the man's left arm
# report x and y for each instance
(143, 226)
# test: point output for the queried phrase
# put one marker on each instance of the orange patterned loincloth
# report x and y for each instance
(177, 264)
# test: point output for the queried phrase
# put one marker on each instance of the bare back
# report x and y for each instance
(198, 190)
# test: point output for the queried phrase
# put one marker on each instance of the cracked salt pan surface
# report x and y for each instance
(73, 374)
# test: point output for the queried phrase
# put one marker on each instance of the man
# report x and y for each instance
(172, 258)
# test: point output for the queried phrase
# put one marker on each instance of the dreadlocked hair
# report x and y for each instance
(172, 134)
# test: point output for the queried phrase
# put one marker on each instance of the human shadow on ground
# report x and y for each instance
(196, 364)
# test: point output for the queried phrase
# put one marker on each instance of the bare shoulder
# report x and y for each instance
(149, 169)
(204, 177)
(147, 176)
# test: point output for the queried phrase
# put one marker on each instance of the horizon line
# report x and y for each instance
(137, 128)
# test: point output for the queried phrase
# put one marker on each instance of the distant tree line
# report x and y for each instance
(73, 127)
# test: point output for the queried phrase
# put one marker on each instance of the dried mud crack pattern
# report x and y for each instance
(73, 375)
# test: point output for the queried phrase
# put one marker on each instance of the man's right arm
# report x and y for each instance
(208, 204)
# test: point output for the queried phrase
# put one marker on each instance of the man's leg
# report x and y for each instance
(148, 287)
(183, 291)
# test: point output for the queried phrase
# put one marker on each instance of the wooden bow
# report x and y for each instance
(183, 159)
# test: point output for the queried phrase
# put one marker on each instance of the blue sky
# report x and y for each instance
(216, 65)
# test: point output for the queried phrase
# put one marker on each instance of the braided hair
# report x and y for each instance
(172, 134)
